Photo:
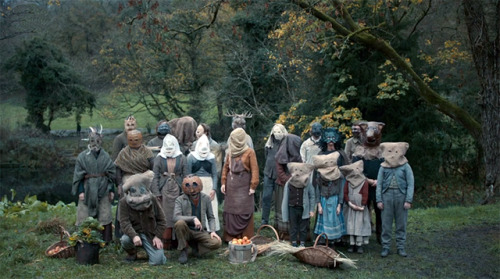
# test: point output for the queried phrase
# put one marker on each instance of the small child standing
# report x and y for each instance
(395, 187)
(298, 201)
(357, 214)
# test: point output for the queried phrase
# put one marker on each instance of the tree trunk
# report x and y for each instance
(486, 55)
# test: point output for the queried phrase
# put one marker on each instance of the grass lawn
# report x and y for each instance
(454, 242)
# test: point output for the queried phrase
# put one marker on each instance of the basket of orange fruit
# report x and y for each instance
(242, 250)
(61, 249)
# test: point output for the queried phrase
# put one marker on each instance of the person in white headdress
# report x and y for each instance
(170, 168)
(201, 162)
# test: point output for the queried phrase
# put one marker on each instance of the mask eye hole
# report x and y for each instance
(132, 190)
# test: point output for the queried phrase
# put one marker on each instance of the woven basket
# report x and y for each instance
(264, 243)
(322, 256)
(65, 251)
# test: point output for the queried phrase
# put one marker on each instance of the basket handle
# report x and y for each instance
(272, 228)
(319, 236)
(255, 251)
(63, 232)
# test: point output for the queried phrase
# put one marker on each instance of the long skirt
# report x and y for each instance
(329, 222)
(207, 188)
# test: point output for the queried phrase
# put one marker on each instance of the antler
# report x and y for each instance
(230, 114)
(246, 114)
(100, 130)
(92, 130)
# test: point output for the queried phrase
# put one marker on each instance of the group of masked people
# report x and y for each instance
(166, 198)
(167, 194)
(338, 188)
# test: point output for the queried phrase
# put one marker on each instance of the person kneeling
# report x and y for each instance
(191, 207)
(142, 220)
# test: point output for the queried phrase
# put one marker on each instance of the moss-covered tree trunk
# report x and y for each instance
(486, 56)
(485, 46)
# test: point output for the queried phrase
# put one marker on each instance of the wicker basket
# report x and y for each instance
(264, 243)
(322, 256)
(65, 251)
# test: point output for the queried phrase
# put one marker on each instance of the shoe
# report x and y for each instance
(350, 249)
(402, 252)
(302, 246)
(384, 253)
(183, 257)
(360, 250)
(294, 244)
(131, 256)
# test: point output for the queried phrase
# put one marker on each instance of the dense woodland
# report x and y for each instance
(428, 69)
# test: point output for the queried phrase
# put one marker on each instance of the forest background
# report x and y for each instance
(407, 63)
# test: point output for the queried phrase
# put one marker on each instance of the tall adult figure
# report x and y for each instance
(120, 140)
(311, 146)
(240, 178)
(371, 154)
(201, 162)
(288, 152)
(93, 182)
(278, 132)
(170, 168)
(135, 158)
(354, 141)
(155, 144)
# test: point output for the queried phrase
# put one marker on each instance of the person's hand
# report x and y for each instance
(159, 198)
(223, 189)
(212, 194)
(215, 235)
(251, 192)
(157, 243)
(320, 209)
(380, 205)
(407, 205)
(111, 196)
(137, 241)
(338, 209)
(197, 224)
(81, 196)
(311, 214)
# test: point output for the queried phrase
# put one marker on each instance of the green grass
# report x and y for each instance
(13, 114)
(454, 242)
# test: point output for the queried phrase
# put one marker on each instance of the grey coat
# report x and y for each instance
(183, 211)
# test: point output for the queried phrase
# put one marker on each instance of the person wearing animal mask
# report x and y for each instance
(142, 220)
(354, 141)
(155, 144)
(120, 141)
(278, 132)
(395, 188)
(369, 151)
(201, 162)
(298, 201)
(93, 182)
(170, 167)
(240, 178)
(311, 146)
(194, 219)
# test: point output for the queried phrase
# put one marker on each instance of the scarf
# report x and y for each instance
(289, 150)
(237, 142)
(134, 160)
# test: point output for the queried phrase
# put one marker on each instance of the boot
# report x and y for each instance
(360, 250)
(350, 249)
(107, 233)
(131, 255)
(183, 257)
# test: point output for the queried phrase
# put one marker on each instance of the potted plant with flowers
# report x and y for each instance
(87, 241)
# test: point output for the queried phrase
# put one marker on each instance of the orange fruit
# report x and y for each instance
(245, 238)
